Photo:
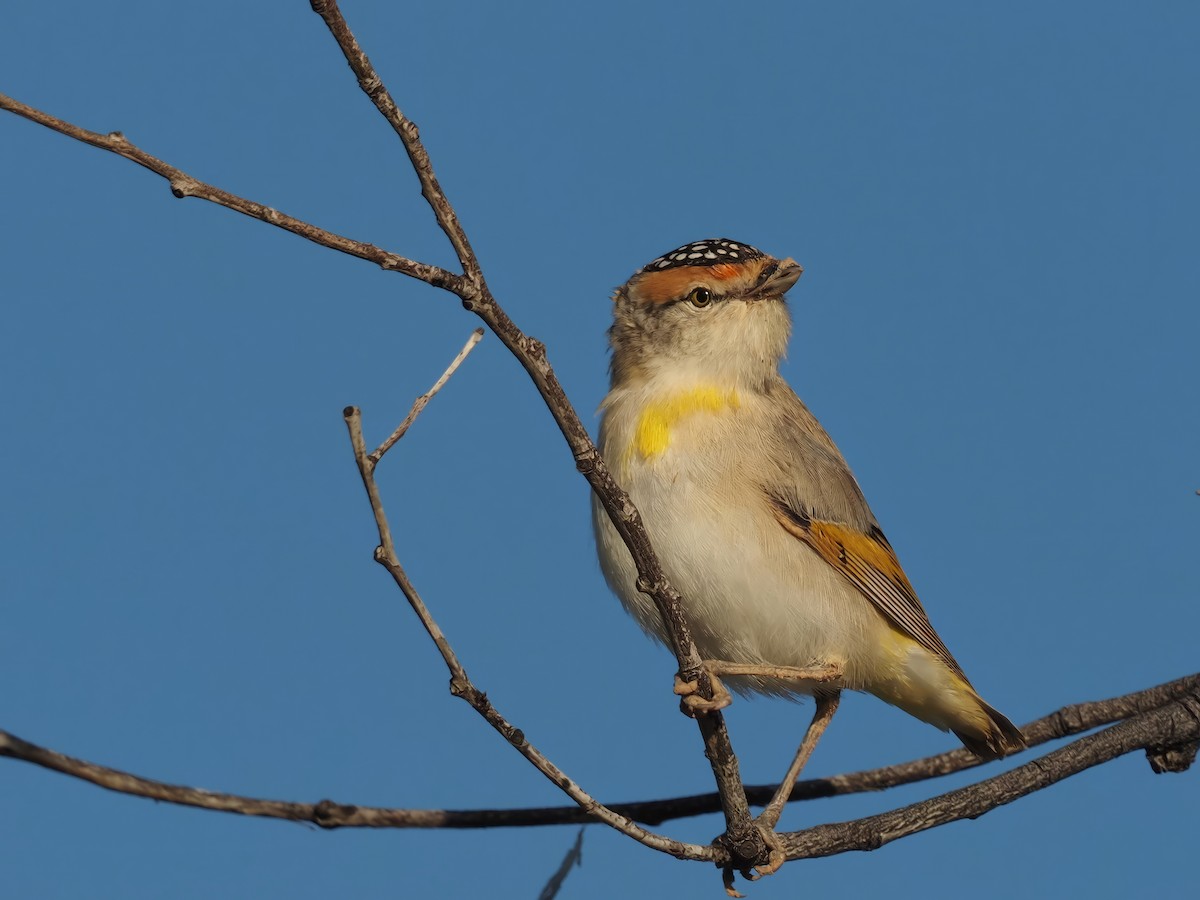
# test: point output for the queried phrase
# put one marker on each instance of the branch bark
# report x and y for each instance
(184, 185)
(1175, 724)
(1161, 734)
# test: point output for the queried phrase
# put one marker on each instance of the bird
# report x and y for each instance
(787, 581)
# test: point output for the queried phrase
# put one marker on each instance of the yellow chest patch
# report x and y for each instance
(652, 433)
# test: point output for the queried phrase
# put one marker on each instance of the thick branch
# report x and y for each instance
(330, 814)
(1177, 724)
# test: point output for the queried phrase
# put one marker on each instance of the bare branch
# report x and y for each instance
(330, 814)
(372, 85)
(460, 683)
(573, 858)
(1176, 724)
(184, 185)
(421, 402)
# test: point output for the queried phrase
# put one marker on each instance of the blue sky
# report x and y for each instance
(996, 210)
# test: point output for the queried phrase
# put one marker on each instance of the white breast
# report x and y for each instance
(752, 592)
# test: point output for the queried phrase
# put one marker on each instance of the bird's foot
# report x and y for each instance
(693, 703)
(775, 856)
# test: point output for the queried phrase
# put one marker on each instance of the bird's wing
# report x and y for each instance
(815, 498)
(869, 563)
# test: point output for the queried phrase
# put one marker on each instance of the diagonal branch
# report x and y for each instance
(460, 682)
(406, 130)
(184, 185)
(421, 402)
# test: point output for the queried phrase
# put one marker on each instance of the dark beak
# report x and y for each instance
(776, 279)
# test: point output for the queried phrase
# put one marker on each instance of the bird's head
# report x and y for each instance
(712, 310)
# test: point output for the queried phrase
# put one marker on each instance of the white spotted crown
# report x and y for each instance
(703, 253)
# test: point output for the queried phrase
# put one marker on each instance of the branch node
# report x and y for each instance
(648, 587)
(585, 462)
(380, 555)
(1178, 758)
(182, 186)
(328, 814)
(744, 852)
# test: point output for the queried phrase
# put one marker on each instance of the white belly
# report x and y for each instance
(752, 593)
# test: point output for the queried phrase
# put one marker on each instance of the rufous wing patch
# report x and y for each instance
(869, 563)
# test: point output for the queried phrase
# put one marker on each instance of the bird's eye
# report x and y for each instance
(700, 297)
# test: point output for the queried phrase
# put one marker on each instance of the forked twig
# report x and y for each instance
(460, 682)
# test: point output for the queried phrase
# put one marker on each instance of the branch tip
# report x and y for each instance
(1173, 759)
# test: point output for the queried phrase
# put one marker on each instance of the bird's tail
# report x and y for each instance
(990, 736)
(931, 691)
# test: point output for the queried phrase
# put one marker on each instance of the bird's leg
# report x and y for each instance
(694, 704)
(821, 673)
(827, 704)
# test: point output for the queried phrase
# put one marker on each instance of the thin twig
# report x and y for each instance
(460, 682)
(421, 402)
(372, 85)
(184, 185)
(573, 858)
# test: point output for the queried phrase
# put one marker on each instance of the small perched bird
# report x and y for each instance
(753, 512)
